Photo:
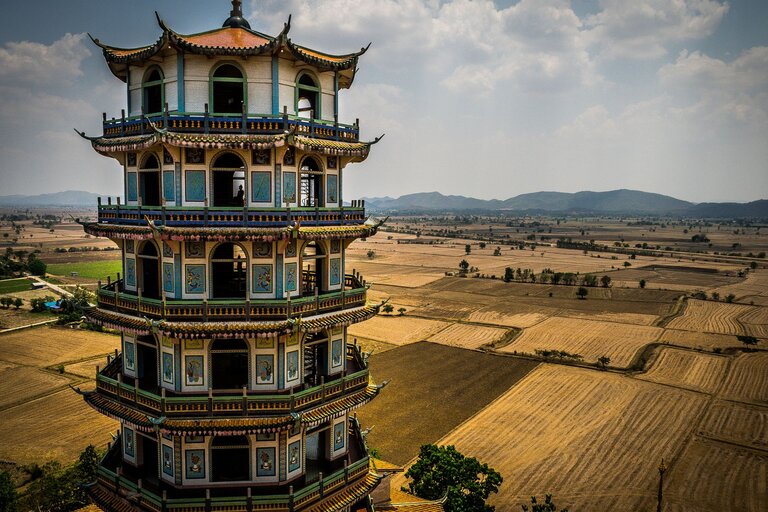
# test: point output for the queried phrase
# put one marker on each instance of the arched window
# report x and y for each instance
(311, 183)
(229, 272)
(230, 459)
(307, 97)
(313, 262)
(149, 271)
(228, 180)
(153, 92)
(149, 181)
(229, 364)
(227, 90)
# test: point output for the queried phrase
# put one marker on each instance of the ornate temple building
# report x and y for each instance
(236, 384)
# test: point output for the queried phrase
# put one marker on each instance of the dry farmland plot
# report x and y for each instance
(737, 423)
(621, 318)
(713, 477)
(687, 369)
(706, 316)
(56, 427)
(591, 339)
(702, 340)
(422, 402)
(20, 383)
(593, 439)
(468, 335)
(753, 288)
(397, 330)
(503, 315)
(748, 379)
(755, 322)
(45, 346)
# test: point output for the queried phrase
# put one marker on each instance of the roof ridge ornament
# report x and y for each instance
(236, 19)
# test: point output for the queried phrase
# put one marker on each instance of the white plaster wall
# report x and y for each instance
(326, 100)
(196, 70)
(260, 97)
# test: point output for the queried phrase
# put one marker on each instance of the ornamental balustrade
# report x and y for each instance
(204, 216)
(244, 124)
(113, 296)
(109, 382)
(210, 499)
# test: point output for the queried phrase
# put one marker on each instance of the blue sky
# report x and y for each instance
(481, 98)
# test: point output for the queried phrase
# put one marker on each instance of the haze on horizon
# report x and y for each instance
(477, 98)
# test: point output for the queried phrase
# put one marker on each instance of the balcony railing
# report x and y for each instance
(166, 498)
(114, 297)
(245, 123)
(204, 216)
(109, 382)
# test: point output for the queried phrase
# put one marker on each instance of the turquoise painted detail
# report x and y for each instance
(275, 87)
(335, 277)
(133, 187)
(291, 277)
(177, 177)
(169, 186)
(177, 283)
(332, 189)
(168, 277)
(262, 278)
(195, 278)
(180, 81)
(130, 272)
(279, 276)
(261, 191)
(195, 185)
(278, 174)
(289, 187)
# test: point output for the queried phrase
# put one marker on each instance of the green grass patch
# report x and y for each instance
(15, 285)
(89, 270)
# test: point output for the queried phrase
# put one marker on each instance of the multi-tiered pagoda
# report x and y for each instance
(236, 384)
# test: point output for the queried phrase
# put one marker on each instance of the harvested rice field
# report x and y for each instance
(548, 432)
(755, 322)
(21, 383)
(737, 423)
(45, 346)
(709, 316)
(687, 369)
(468, 336)
(700, 340)
(422, 402)
(590, 339)
(396, 330)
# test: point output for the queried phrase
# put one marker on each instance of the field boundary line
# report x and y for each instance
(52, 391)
(28, 326)
(679, 308)
(749, 447)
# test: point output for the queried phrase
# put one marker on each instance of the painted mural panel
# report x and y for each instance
(332, 188)
(339, 436)
(195, 464)
(265, 369)
(261, 157)
(294, 456)
(335, 246)
(337, 353)
(194, 278)
(167, 158)
(169, 187)
(194, 370)
(129, 356)
(292, 366)
(195, 185)
(335, 274)
(261, 186)
(133, 187)
(167, 250)
(168, 277)
(194, 250)
(168, 460)
(291, 278)
(290, 249)
(129, 246)
(194, 155)
(289, 187)
(262, 278)
(129, 442)
(262, 249)
(266, 462)
(130, 272)
(332, 162)
(131, 160)
(168, 367)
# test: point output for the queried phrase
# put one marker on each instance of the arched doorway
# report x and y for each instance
(229, 274)
(227, 90)
(307, 97)
(229, 364)
(146, 361)
(152, 97)
(313, 265)
(230, 459)
(228, 172)
(310, 188)
(149, 271)
(149, 181)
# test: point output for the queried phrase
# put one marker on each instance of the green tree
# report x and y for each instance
(8, 497)
(371, 254)
(444, 471)
(401, 311)
(753, 265)
(72, 308)
(497, 251)
(388, 308)
(37, 267)
(582, 292)
(730, 298)
(464, 265)
(642, 283)
(547, 506)
(748, 341)
(627, 264)
(715, 296)
(605, 281)
(603, 362)
(482, 245)
(509, 274)
(18, 302)
(467, 249)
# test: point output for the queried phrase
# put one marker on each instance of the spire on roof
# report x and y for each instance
(236, 16)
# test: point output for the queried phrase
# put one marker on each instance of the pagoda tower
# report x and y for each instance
(236, 385)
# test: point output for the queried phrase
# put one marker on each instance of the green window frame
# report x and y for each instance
(313, 90)
(216, 80)
(147, 86)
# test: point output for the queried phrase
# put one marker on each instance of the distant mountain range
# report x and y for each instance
(67, 198)
(614, 202)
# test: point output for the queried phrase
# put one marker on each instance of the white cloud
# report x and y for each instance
(36, 64)
(642, 29)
